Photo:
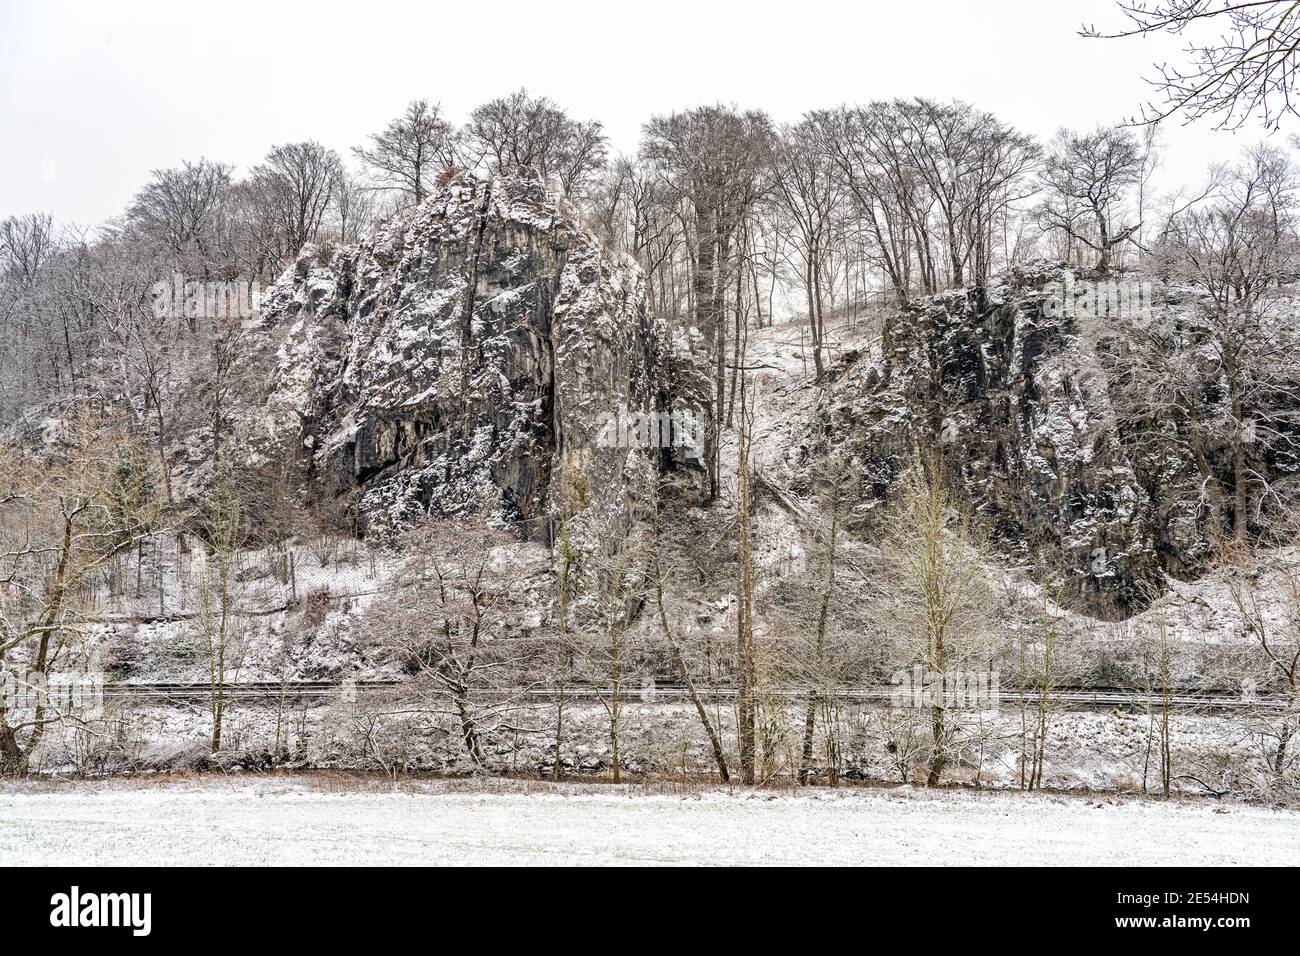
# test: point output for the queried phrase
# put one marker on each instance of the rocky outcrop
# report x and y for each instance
(1016, 399)
(462, 360)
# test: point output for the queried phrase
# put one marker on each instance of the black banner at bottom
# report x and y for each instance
(142, 906)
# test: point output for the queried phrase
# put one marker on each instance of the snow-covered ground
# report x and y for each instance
(333, 820)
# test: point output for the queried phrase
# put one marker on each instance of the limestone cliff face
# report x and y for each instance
(1018, 402)
(463, 359)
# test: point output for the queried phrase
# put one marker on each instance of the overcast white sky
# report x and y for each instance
(94, 95)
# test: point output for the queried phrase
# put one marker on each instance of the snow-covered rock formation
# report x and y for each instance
(1037, 411)
(462, 360)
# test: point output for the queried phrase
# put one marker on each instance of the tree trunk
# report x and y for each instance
(938, 752)
(706, 319)
(468, 727)
(809, 726)
(1239, 479)
(12, 760)
(1103, 242)
(745, 711)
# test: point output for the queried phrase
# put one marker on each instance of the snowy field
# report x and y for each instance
(323, 820)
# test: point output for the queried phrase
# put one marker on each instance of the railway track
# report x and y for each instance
(1078, 698)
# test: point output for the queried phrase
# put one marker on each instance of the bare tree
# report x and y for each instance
(1233, 250)
(1242, 66)
(185, 212)
(614, 584)
(142, 340)
(937, 605)
(931, 185)
(1087, 177)
(659, 578)
(809, 192)
(295, 186)
(820, 670)
(521, 130)
(221, 620)
(746, 655)
(887, 202)
(411, 151)
(1272, 672)
(449, 625)
(1039, 665)
(565, 556)
(354, 209)
(714, 158)
(28, 245)
(972, 166)
(63, 518)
